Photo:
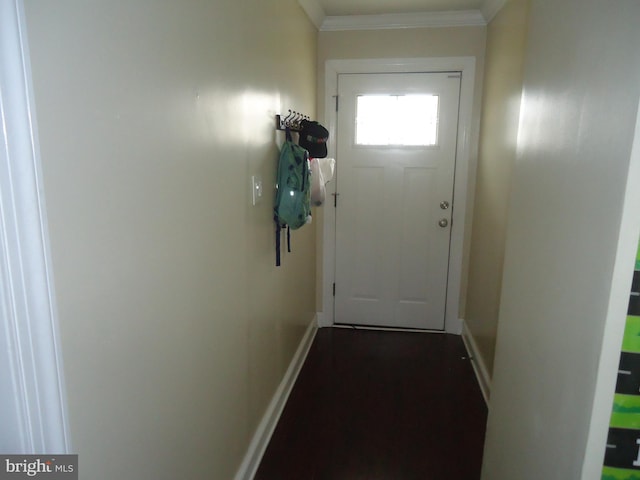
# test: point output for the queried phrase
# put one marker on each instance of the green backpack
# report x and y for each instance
(292, 208)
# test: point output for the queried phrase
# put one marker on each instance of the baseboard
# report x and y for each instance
(477, 362)
(322, 320)
(267, 425)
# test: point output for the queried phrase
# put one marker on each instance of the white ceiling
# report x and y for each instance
(378, 7)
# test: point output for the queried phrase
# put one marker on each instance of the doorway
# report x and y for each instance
(462, 71)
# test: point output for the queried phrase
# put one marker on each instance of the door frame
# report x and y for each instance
(462, 177)
(33, 381)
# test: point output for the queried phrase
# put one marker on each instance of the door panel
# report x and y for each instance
(366, 229)
(391, 254)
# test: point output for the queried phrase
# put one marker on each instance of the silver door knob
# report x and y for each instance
(443, 222)
(444, 205)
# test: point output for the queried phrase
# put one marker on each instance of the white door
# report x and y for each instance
(396, 152)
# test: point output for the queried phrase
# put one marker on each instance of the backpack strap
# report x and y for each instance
(279, 229)
(305, 170)
(277, 241)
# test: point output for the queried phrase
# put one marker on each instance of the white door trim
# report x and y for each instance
(33, 402)
(465, 65)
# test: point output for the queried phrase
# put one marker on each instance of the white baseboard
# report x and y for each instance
(454, 326)
(479, 367)
(267, 425)
(322, 320)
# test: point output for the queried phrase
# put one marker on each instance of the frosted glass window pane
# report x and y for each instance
(403, 120)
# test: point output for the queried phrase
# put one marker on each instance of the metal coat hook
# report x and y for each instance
(289, 117)
(293, 121)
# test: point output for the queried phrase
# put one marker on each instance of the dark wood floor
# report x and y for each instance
(372, 405)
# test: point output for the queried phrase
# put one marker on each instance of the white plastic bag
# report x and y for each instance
(322, 171)
(318, 191)
(327, 167)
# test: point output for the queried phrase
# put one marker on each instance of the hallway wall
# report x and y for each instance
(504, 65)
(176, 327)
(567, 220)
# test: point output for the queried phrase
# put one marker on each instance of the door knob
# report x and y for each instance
(443, 222)
(444, 205)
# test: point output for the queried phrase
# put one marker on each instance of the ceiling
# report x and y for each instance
(379, 7)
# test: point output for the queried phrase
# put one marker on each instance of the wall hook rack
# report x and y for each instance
(292, 121)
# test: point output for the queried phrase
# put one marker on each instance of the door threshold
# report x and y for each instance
(384, 329)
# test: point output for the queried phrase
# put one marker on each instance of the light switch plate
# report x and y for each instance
(256, 189)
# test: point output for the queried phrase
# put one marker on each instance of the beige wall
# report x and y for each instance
(411, 43)
(176, 326)
(561, 294)
(506, 38)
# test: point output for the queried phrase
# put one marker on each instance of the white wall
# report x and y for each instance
(581, 90)
(176, 326)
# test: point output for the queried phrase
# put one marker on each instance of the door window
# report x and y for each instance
(397, 120)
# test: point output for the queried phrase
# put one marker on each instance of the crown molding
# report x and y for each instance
(481, 17)
(490, 8)
(314, 11)
(466, 18)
